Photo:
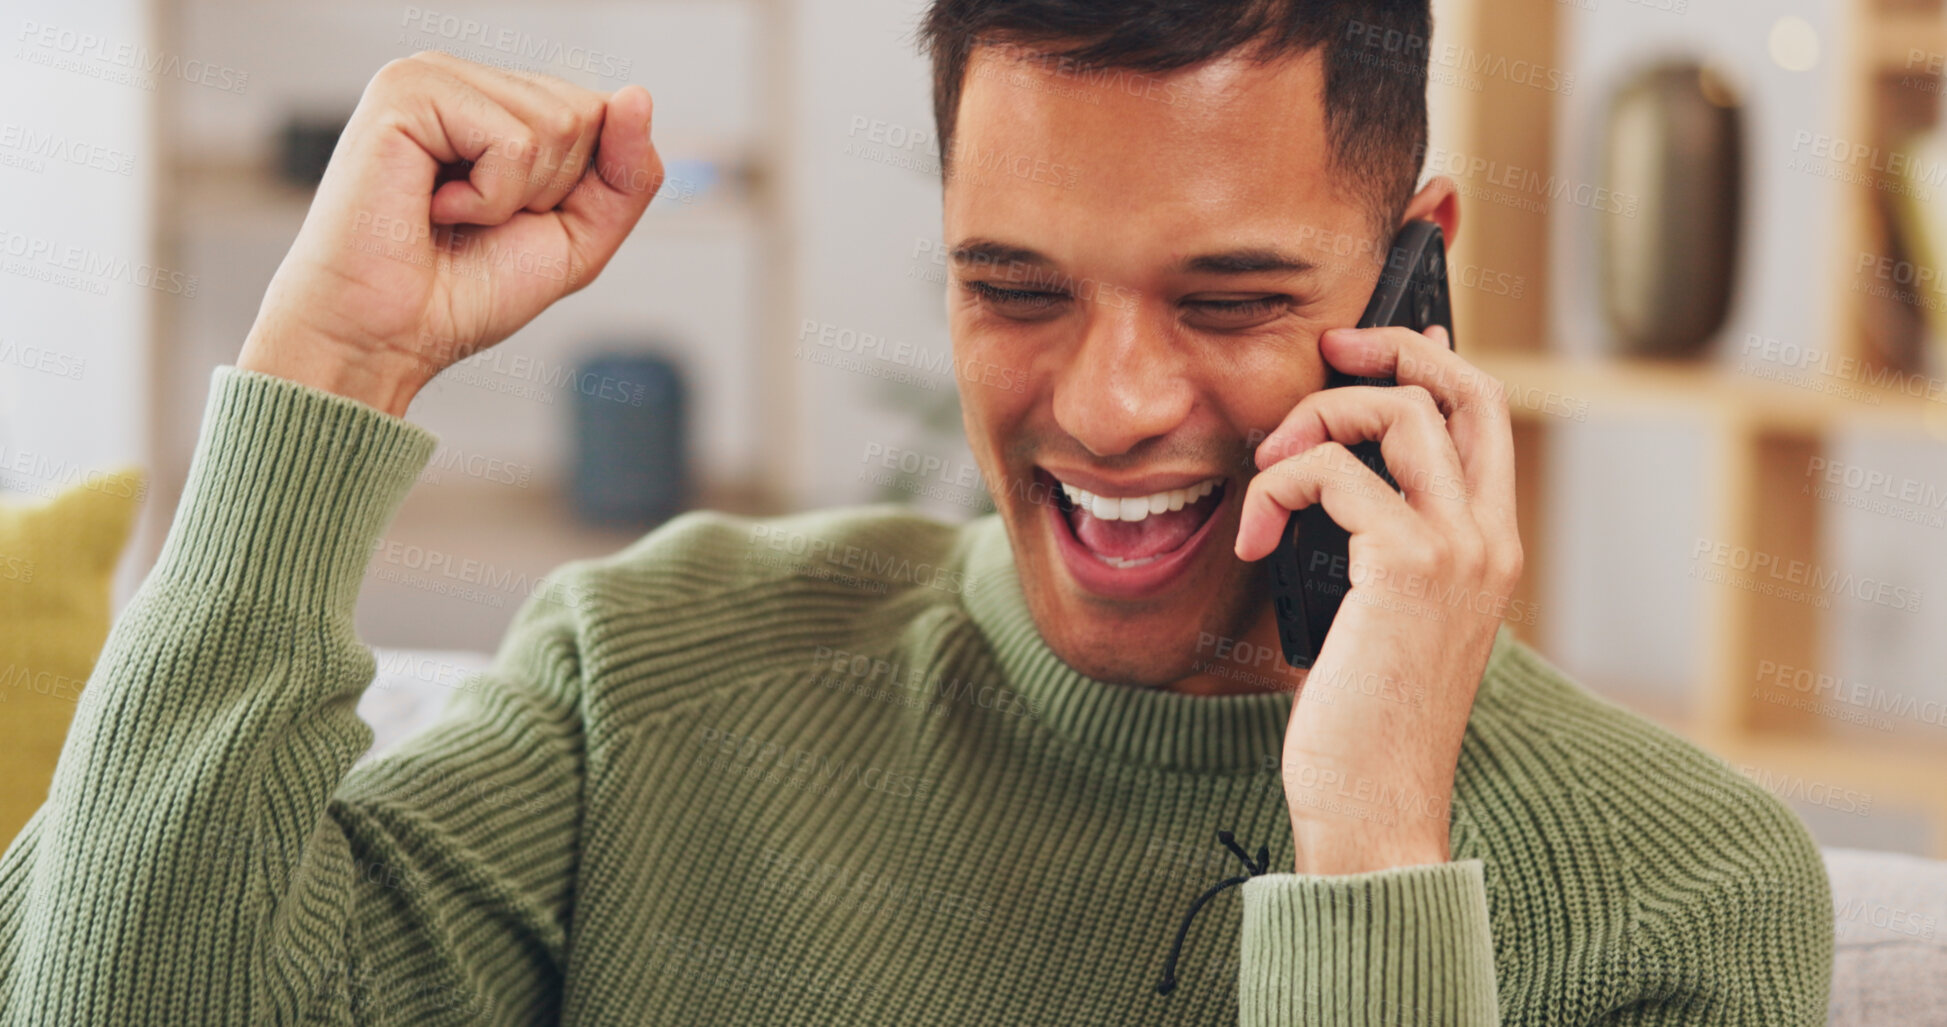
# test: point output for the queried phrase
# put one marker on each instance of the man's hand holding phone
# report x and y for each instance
(460, 201)
(1375, 735)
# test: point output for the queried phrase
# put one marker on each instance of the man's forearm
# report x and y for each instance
(216, 725)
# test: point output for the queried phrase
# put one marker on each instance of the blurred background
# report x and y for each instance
(1703, 244)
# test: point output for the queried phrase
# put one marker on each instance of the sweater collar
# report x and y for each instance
(1234, 733)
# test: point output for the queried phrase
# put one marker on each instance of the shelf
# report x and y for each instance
(1548, 388)
(1901, 777)
(1895, 34)
(1903, 774)
(1759, 422)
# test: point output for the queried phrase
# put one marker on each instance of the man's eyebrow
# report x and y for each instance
(1246, 262)
(990, 251)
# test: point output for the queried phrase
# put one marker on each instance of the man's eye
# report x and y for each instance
(1025, 301)
(1238, 312)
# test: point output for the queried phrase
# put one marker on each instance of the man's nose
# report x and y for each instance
(1124, 382)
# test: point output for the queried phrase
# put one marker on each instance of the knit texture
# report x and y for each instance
(810, 770)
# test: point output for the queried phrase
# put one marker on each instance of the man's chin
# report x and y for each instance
(1139, 644)
(1118, 665)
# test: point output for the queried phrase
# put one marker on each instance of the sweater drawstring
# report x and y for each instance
(1260, 866)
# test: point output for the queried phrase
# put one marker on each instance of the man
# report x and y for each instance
(860, 766)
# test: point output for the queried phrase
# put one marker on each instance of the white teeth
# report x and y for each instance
(1135, 508)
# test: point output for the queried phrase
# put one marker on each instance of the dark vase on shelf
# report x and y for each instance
(1668, 241)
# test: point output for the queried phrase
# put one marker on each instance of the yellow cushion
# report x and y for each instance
(57, 566)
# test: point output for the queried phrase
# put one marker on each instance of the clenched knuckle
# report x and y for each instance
(1414, 557)
(1331, 459)
(1434, 554)
(1419, 396)
(396, 72)
(563, 123)
(446, 62)
(1290, 472)
(1508, 562)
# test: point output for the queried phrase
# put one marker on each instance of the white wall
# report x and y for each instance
(866, 199)
(77, 277)
(694, 54)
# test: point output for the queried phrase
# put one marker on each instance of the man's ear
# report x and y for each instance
(1437, 201)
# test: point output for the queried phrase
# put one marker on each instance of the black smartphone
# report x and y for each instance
(1309, 572)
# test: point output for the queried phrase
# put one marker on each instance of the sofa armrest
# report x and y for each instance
(1890, 957)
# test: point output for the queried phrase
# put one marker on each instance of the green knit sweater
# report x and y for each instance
(816, 769)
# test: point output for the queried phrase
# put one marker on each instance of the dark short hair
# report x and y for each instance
(1375, 60)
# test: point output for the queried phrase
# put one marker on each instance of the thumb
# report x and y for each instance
(610, 198)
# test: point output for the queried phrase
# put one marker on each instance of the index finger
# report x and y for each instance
(1474, 401)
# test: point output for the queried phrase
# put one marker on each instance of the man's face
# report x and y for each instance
(1155, 256)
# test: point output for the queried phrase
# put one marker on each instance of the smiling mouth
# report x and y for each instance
(1130, 531)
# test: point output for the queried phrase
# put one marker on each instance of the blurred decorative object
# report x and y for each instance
(1919, 224)
(57, 559)
(937, 428)
(631, 440)
(304, 147)
(688, 180)
(705, 174)
(1793, 43)
(1673, 149)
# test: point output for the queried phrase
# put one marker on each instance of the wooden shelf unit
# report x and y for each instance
(1761, 434)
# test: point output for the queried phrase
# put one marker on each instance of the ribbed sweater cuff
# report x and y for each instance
(288, 491)
(1408, 945)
